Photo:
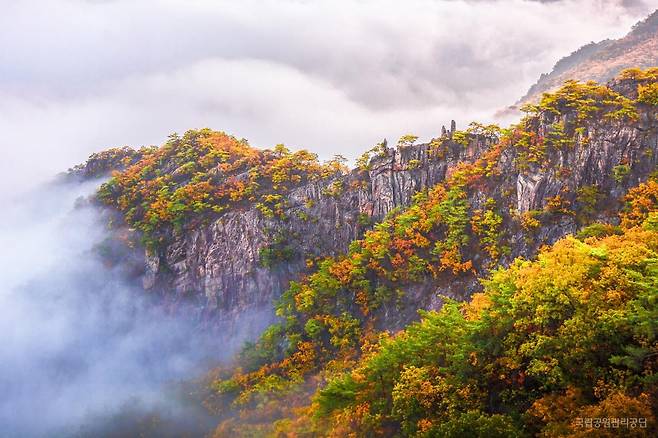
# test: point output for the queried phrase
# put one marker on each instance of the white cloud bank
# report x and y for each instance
(79, 343)
(331, 76)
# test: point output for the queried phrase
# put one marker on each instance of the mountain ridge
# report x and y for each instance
(601, 61)
(322, 217)
(347, 257)
(431, 379)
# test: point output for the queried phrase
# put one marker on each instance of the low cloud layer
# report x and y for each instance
(334, 77)
(79, 344)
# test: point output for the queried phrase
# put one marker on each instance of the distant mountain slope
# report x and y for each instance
(602, 61)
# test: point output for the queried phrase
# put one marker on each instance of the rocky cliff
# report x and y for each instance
(218, 266)
(583, 161)
(568, 164)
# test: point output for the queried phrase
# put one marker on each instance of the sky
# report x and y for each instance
(334, 77)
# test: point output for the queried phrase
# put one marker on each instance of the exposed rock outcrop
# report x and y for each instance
(218, 267)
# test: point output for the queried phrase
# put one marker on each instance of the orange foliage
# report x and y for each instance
(640, 201)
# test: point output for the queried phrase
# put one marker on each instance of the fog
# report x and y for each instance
(78, 76)
(80, 345)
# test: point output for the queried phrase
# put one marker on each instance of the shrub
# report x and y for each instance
(620, 172)
(648, 94)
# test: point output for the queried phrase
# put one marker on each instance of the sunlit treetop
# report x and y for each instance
(203, 173)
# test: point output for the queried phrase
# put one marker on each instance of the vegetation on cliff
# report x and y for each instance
(529, 354)
(204, 173)
(532, 350)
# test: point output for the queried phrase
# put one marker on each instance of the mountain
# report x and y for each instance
(333, 262)
(233, 264)
(602, 61)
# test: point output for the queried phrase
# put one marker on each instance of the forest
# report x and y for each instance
(545, 343)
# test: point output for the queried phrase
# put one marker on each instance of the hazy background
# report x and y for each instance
(80, 345)
(78, 76)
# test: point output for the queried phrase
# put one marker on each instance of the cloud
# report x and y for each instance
(333, 77)
(79, 341)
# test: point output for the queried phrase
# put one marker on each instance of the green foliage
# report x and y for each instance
(270, 347)
(335, 189)
(571, 109)
(407, 140)
(202, 174)
(313, 328)
(339, 395)
(587, 100)
(279, 250)
(587, 200)
(651, 222)
(364, 220)
(571, 334)
(490, 132)
(529, 336)
(557, 137)
(413, 164)
(598, 230)
(454, 213)
(637, 74)
(531, 148)
(476, 424)
(620, 172)
(460, 137)
(487, 224)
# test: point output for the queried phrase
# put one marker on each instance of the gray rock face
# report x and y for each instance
(528, 191)
(217, 267)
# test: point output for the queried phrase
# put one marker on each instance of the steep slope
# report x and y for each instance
(567, 165)
(231, 243)
(535, 354)
(350, 256)
(602, 61)
(227, 227)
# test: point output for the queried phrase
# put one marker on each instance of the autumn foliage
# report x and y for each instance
(204, 173)
(570, 334)
(528, 355)
(534, 350)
